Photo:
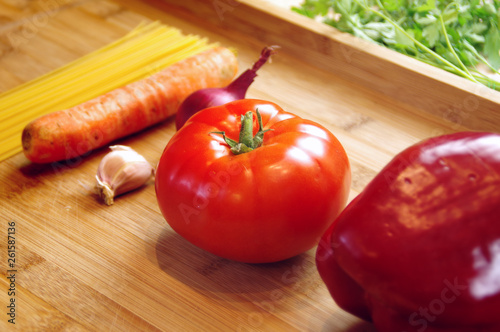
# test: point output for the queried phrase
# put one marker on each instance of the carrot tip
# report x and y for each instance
(26, 139)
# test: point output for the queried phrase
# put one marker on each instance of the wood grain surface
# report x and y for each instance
(84, 266)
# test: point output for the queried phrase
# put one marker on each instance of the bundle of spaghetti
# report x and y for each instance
(144, 51)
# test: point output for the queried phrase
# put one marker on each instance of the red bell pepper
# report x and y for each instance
(419, 248)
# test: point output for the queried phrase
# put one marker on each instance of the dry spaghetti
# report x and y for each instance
(144, 51)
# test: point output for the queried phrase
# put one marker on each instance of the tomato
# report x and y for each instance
(265, 205)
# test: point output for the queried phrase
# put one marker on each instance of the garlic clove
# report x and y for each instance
(121, 171)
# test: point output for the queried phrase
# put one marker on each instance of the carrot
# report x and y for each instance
(78, 130)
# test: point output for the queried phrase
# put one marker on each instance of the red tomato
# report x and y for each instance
(266, 205)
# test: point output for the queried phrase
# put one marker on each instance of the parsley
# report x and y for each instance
(462, 37)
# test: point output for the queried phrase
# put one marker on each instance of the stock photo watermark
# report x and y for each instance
(30, 27)
(295, 279)
(211, 190)
(11, 271)
(223, 6)
(452, 290)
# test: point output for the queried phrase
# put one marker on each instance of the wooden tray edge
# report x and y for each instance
(430, 89)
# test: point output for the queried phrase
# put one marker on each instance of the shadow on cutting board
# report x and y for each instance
(208, 273)
(361, 326)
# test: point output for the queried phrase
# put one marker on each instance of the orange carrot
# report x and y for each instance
(78, 130)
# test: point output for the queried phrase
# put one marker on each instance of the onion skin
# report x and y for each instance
(211, 97)
(201, 99)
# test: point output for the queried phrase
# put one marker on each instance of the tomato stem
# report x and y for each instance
(247, 141)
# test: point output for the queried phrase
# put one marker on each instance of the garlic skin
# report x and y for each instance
(120, 171)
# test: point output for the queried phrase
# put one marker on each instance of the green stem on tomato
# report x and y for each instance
(246, 132)
(247, 141)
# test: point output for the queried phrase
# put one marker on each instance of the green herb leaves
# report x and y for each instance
(459, 36)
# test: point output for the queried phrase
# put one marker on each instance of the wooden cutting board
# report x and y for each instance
(83, 266)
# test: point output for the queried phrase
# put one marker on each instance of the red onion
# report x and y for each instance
(204, 98)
